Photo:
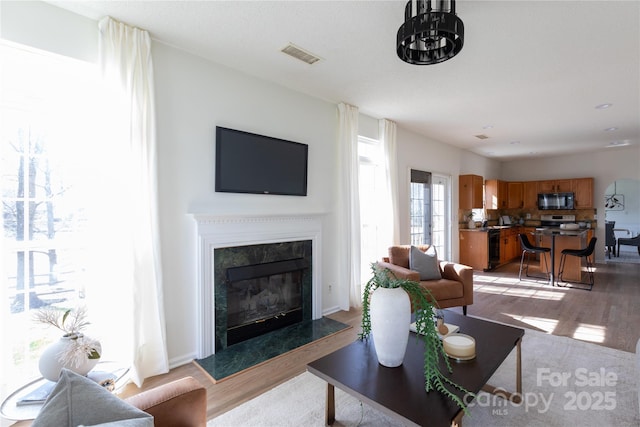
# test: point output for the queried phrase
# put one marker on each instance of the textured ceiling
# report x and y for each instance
(529, 76)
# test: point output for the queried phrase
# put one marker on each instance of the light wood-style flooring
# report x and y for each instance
(609, 315)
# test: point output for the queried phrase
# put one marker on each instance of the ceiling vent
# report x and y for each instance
(481, 136)
(301, 54)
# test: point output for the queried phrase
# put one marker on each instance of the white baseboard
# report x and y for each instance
(331, 310)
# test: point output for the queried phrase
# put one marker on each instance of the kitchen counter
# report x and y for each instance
(543, 229)
(497, 227)
(558, 239)
(562, 231)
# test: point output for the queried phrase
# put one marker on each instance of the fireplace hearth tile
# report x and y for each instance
(254, 351)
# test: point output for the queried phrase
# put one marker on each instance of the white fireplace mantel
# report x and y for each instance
(230, 231)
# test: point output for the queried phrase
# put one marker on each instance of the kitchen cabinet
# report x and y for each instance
(474, 249)
(509, 244)
(470, 192)
(583, 189)
(555, 186)
(515, 195)
(496, 193)
(530, 194)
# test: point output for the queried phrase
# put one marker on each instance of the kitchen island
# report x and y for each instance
(559, 239)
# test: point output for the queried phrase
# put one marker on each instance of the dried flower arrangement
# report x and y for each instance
(71, 322)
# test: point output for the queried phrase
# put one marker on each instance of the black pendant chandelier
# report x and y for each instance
(431, 33)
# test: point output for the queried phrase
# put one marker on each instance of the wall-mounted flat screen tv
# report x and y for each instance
(250, 163)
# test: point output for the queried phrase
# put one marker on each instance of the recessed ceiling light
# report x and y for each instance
(487, 127)
(514, 142)
(611, 129)
(603, 106)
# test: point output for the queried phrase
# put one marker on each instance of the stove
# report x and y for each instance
(556, 220)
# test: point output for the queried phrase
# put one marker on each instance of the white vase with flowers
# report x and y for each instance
(74, 350)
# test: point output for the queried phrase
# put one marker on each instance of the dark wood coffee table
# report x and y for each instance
(399, 392)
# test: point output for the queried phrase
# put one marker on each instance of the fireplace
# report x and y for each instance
(297, 240)
(260, 288)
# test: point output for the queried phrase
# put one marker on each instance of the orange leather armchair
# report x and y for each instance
(181, 403)
(454, 289)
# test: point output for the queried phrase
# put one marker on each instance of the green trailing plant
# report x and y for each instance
(422, 306)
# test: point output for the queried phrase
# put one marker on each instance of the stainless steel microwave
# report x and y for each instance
(556, 201)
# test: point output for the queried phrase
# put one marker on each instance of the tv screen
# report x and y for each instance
(250, 163)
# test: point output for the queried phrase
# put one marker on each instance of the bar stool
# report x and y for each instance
(528, 248)
(585, 253)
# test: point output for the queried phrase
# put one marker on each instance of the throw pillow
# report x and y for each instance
(78, 400)
(425, 263)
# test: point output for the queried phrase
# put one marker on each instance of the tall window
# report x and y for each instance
(420, 210)
(429, 207)
(440, 233)
(46, 188)
(372, 190)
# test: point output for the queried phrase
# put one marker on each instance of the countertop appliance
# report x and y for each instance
(556, 220)
(556, 201)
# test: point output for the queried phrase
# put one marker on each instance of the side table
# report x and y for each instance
(12, 410)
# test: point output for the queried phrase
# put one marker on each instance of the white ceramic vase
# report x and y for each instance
(390, 312)
(50, 364)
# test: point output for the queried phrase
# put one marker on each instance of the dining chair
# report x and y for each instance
(633, 241)
(610, 238)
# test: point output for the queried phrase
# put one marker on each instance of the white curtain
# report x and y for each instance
(127, 256)
(349, 203)
(387, 133)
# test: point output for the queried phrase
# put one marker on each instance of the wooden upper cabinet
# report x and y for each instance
(515, 195)
(530, 195)
(495, 193)
(555, 186)
(503, 194)
(524, 195)
(583, 189)
(470, 191)
(546, 186)
(564, 185)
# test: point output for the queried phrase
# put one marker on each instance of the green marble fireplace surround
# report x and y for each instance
(258, 288)
(236, 241)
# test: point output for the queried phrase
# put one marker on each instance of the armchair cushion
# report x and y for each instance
(425, 263)
(76, 400)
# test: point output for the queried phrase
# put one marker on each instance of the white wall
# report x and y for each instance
(471, 163)
(629, 217)
(192, 97)
(604, 166)
(49, 28)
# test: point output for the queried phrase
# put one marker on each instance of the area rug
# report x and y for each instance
(246, 354)
(565, 383)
